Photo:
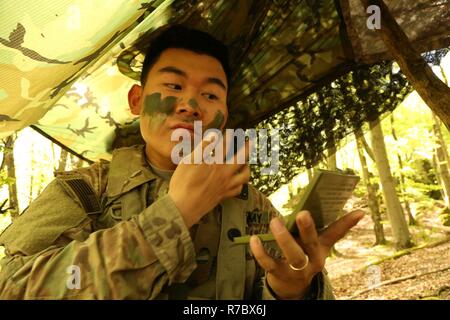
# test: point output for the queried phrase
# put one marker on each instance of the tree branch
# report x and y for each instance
(433, 91)
(359, 134)
(396, 280)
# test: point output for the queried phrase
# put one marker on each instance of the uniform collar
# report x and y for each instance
(128, 169)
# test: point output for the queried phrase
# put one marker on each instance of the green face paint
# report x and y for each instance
(158, 110)
(193, 103)
(153, 104)
(168, 105)
(217, 121)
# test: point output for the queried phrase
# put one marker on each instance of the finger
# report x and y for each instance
(339, 229)
(239, 160)
(243, 153)
(212, 138)
(259, 253)
(214, 150)
(309, 239)
(228, 143)
(233, 192)
(237, 153)
(241, 177)
(292, 251)
(196, 156)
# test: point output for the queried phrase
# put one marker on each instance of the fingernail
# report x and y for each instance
(359, 215)
(277, 225)
(255, 240)
(305, 219)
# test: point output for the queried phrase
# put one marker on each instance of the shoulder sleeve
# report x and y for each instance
(132, 260)
(51, 213)
(47, 217)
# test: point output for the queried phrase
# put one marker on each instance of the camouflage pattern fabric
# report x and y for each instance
(137, 248)
(319, 123)
(58, 58)
(423, 21)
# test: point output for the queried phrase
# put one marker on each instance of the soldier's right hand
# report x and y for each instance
(198, 188)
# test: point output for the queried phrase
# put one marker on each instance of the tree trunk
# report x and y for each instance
(11, 170)
(411, 220)
(365, 145)
(441, 159)
(331, 165)
(438, 176)
(62, 160)
(331, 159)
(394, 209)
(433, 91)
(310, 172)
(76, 162)
(371, 196)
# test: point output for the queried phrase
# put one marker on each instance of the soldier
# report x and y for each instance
(143, 227)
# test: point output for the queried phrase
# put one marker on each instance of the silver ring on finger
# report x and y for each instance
(301, 268)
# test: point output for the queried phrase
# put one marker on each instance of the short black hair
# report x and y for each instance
(181, 37)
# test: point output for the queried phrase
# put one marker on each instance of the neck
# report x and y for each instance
(158, 160)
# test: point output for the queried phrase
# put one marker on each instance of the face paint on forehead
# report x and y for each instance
(217, 122)
(153, 104)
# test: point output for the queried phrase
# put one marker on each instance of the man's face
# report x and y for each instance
(181, 87)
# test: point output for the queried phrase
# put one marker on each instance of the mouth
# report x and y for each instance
(186, 126)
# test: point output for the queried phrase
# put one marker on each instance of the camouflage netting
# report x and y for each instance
(325, 117)
(59, 64)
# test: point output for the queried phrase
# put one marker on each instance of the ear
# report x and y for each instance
(134, 99)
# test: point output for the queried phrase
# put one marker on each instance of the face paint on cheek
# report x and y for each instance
(168, 105)
(217, 122)
(157, 110)
(153, 104)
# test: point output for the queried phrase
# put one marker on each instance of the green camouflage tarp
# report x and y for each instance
(58, 58)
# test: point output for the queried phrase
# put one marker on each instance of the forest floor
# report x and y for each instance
(363, 271)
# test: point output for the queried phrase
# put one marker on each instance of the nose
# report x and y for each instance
(188, 107)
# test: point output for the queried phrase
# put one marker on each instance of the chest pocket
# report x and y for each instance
(123, 207)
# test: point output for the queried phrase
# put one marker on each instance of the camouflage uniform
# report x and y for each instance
(137, 246)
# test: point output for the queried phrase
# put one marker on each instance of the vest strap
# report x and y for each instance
(231, 262)
(206, 242)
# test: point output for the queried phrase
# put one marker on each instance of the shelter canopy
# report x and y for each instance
(58, 58)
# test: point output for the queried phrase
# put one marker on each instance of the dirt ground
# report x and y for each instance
(357, 265)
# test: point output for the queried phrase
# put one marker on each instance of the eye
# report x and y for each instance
(211, 96)
(173, 86)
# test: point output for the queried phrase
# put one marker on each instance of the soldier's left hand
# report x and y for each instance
(291, 276)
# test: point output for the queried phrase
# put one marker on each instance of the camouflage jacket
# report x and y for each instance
(137, 246)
